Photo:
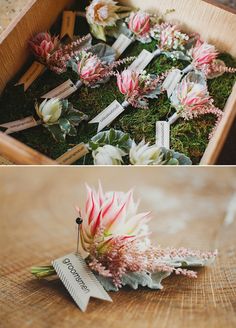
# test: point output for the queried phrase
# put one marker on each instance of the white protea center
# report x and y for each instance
(102, 12)
(49, 110)
(108, 155)
(108, 216)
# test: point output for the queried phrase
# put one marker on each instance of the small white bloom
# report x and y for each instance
(143, 154)
(108, 155)
(49, 110)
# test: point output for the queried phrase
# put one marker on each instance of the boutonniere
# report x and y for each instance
(59, 117)
(93, 66)
(55, 55)
(137, 88)
(114, 245)
(191, 99)
(104, 14)
(204, 59)
(171, 42)
(115, 147)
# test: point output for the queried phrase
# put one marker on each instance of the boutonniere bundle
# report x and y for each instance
(115, 147)
(191, 99)
(114, 244)
(59, 117)
(55, 55)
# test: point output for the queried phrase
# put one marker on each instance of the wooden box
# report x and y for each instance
(216, 24)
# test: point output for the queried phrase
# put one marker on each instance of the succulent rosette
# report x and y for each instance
(43, 45)
(138, 87)
(59, 117)
(102, 14)
(191, 98)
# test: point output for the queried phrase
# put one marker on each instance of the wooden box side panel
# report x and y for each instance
(216, 143)
(215, 25)
(37, 16)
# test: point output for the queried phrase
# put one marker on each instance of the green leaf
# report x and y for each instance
(135, 279)
(56, 132)
(98, 32)
(65, 125)
(72, 132)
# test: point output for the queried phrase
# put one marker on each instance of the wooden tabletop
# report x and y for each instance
(190, 207)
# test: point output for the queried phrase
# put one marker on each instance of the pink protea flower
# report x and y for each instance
(137, 86)
(108, 218)
(43, 44)
(191, 99)
(128, 82)
(203, 55)
(139, 23)
(90, 67)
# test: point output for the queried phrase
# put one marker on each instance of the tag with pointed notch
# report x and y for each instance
(73, 155)
(62, 91)
(68, 24)
(108, 115)
(143, 59)
(35, 70)
(79, 280)
(172, 81)
(163, 134)
(20, 125)
(121, 44)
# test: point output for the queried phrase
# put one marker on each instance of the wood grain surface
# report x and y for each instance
(190, 207)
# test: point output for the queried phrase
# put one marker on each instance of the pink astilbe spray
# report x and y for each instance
(114, 237)
(137, 86)
(58, 60)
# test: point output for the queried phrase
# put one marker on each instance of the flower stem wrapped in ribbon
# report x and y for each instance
(59, 117)
(114, 240)
(191, 99)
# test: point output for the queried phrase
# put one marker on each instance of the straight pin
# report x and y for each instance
(78, 221)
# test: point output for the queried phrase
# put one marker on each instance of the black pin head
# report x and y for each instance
(78, 221)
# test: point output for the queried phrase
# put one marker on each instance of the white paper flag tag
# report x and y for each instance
(121, 44)
(62, 91)
(171, 81)
(79, 280)
(163, 134)
(73, 155)
(20, 125)
(143, 59)
(108, 115)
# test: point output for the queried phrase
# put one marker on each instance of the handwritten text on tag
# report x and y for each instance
(163, 134)
(20, 125)
(121, 44)
(79, 280)
(108, 115)
(73, 155)
(62, 91)
(143, 59)
(35, 70)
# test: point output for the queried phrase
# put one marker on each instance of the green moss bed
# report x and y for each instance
(188, 137)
